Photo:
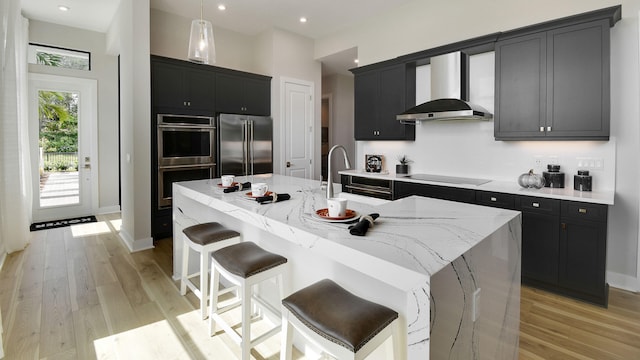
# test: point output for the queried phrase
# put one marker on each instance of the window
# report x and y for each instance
(59, 57)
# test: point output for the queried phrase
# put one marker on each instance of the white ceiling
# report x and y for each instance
(244, 16)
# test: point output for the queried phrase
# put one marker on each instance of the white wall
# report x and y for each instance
(170, 38)
(340, 89)
(419, 25)
(128, 36)
(104, 69)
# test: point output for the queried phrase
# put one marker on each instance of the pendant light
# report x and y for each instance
(201, 44)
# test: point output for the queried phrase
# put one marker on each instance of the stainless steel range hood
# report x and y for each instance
(450, 88)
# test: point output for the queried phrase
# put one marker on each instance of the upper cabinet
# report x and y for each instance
(243, 94)
(554, 84)
(185, 89)
(380, 95)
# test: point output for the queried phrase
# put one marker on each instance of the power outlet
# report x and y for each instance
(475, 306)
(537, 163)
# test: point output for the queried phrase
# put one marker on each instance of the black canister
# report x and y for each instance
(553, 177)
(582, 181)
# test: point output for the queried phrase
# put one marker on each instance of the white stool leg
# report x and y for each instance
(213, 307)
(286, 345)
(395, 337)
(246, 321)
(204, 281)
(185, 267)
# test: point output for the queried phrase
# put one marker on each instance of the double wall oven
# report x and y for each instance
(186, 151)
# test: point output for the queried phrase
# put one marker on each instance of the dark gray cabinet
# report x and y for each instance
(540, 239)
(495, 199)
(182, 88)
(380, 95)
(554, 84)
(564, 247)
(583, 251)
(243, 94)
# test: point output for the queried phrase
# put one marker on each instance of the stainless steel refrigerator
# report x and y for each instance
(245, 144)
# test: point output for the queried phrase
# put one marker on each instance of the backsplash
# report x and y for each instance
(468, 149)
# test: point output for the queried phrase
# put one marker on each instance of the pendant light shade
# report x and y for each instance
(201, 44)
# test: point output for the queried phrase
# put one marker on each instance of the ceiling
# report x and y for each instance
(248, 17)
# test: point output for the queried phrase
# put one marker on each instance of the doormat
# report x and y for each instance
(62, 223)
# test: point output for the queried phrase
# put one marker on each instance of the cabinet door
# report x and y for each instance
(380, 95)
(229, 94)
(583, 256)
(167, 85)
(392, 100)
(540, 247)
(520, 102)
(578, 81)
(540, 239)
(257, 96)
(200, 87)
(366, 105)
(583, 250)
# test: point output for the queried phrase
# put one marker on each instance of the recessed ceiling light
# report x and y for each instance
(303, 19)
(63, 8)
(221, 7)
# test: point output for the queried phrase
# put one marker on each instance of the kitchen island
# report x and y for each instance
(451, 270)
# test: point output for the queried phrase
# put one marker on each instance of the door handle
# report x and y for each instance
(288, 164)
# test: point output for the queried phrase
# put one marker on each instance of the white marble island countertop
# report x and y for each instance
(418, 235)
(413, 239)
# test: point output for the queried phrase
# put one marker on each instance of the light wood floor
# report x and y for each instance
(77, 293)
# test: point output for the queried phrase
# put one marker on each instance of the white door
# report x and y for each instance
(62, 119)
(298, 123)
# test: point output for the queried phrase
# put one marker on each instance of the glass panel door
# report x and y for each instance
(62, 116)
(58, 148)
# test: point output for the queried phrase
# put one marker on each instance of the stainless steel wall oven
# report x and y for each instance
(186, 151)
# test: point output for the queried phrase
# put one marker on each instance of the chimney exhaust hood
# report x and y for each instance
(450, 88)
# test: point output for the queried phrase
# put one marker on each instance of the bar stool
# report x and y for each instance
(203, 238)
(344, 325)
(245, 265)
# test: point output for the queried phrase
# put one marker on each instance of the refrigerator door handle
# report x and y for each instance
(245, 141)
(251, 139)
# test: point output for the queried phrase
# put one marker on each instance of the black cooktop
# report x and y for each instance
(448, 179)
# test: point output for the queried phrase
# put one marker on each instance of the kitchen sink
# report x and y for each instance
(448, 179)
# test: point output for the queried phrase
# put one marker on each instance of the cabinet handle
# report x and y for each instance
(493, 199)
(541, 128)
(548, 128)
(184, 103)
(536, 205)
(582, 211)
(564, 226)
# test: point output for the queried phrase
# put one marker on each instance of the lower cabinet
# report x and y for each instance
(583, 251)
(540, 239)
(564, 247)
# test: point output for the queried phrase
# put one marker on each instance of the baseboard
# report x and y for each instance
(108, 210)
(135, 245)
(622, 281)
(3, 257)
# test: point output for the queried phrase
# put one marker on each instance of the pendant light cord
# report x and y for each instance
(201, 10)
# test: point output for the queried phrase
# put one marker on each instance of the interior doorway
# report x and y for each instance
(326, 131)
(62, 118)
(298, 127)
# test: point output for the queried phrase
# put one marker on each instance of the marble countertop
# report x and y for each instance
(508, 187)
(414, 237)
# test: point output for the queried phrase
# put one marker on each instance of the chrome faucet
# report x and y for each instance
(329, 177)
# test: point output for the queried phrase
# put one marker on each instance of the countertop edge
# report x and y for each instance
(593, 197)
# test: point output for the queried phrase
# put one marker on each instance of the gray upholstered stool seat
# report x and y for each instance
(247, 259)
(244, 265)
(207, 233)
(338, 316)
(203, 238)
